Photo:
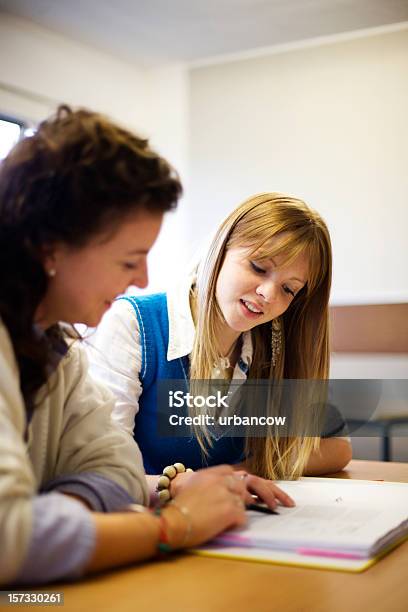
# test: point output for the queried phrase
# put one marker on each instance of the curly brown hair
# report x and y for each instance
(78, 175)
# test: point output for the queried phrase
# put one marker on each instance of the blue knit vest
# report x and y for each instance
(159, 451)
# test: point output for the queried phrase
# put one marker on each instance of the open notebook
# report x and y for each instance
(336, 524)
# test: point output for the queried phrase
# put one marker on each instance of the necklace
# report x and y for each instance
(223, 363)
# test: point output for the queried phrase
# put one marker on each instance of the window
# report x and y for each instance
(11, 131)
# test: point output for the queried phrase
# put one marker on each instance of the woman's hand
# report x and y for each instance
(182, 480)
(213, 500)
(266, 490)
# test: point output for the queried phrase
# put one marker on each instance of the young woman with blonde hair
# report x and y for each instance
(256, 308)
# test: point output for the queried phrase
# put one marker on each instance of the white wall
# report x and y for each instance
(168, 128)
(328, 124)
(47, 64)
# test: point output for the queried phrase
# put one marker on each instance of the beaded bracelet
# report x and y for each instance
(163, 484)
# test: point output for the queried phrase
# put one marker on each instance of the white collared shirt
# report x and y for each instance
(115, 350)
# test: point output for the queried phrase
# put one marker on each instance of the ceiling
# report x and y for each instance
(150, 32)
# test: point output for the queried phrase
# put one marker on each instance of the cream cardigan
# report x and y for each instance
(71, 431)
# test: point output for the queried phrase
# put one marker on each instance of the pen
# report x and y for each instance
(263, 509)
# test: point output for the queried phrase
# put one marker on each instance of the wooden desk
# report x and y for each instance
(196, 584)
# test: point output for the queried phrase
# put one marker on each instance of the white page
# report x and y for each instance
(341, 515)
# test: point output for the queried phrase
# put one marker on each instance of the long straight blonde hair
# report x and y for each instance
(305, 328)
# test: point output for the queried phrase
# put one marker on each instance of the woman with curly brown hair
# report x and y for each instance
(81, 203)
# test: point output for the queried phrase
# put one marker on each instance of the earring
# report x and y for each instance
(276, 340)
(52, 272)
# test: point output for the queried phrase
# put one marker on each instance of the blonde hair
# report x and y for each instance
(305, 329)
